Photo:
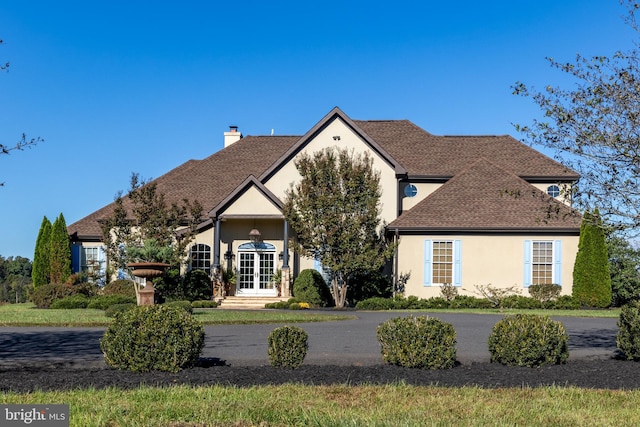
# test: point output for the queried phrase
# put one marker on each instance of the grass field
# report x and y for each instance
(28, 315)
(343, 405)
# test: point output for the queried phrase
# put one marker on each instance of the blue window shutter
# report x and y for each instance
(557, 262)
(102, 255)
(527, 263)
(427, 262)
(457, 262)
(75, 258)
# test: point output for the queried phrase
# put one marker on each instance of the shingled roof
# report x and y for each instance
(419, 153)
(486, 197)
(209, 180)
(424, 155)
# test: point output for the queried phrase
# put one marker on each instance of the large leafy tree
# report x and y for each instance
(59, 252)
(594, 127)
(591, 278)
(15, 278)
(41, 265)
(145, 221)
(334, 211)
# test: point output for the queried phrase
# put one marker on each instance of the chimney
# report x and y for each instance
(232, 136)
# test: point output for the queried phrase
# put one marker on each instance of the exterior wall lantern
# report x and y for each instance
(255, 236)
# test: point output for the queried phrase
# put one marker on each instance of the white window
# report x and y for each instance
(542, 262)
(442, 262)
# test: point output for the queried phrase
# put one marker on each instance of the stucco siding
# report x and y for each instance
(495, 260)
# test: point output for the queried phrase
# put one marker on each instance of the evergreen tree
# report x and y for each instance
(40, 271)
(591, 278)
(624, 261)
(59, 252)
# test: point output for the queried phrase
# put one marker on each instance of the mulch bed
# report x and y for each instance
(587, 373)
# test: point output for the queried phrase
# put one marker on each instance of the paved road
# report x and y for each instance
(351, 342)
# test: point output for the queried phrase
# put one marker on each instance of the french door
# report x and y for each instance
(255, 272)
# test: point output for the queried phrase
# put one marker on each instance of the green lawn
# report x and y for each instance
(28, 315)
(343, 405)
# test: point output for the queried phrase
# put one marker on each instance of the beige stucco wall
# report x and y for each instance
(424, 189)
(497, 260)
(288, 174)
(252, 202)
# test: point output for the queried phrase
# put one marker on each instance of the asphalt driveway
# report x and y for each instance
(350, 342)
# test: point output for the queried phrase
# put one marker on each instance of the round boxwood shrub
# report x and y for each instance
(153, 338)
(418, 342)
(310, 287)
(112, 310)
(71, 302)
(528, 340)
(287, 346)
(119, 287)
(628, 337)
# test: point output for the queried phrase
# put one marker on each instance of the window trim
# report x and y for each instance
(556, 270)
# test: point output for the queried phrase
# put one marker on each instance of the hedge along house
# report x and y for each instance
(466, 210)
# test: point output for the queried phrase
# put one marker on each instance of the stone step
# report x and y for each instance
(246, 303)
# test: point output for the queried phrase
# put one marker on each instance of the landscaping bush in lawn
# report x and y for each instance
(628, 337)
(153, 338)
(528, 340)
(185, 305)
(418, 342)
(119, 287)
(376, 303)
(112, 310)
(287, 346)
(565, 302)
(45, 294)
(71, 302)
(468, 301)
(102, 302)
(197, 286)
(204, 304)
(310, 287)
(544, 292)
(521, 302)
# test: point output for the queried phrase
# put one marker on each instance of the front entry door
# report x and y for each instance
(255, 270)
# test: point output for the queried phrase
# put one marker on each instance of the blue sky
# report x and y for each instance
(116, 87)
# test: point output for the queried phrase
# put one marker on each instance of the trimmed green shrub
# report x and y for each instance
(119, 287)
(102, 302)
(544, 292)
(288, 346)
(204, 304)
(565, 302)
(45, 294)
(310, 287)
(153, 338)
(528, 340)
(520, 302)
(628, 337)
(468, 301)
(418, 342)
(112, 310)
(369, 284)
(71, 302)
(435, 302)
(376, 303)
(197, 285)
(185, 305)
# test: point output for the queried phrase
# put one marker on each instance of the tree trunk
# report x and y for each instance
(339, 292)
